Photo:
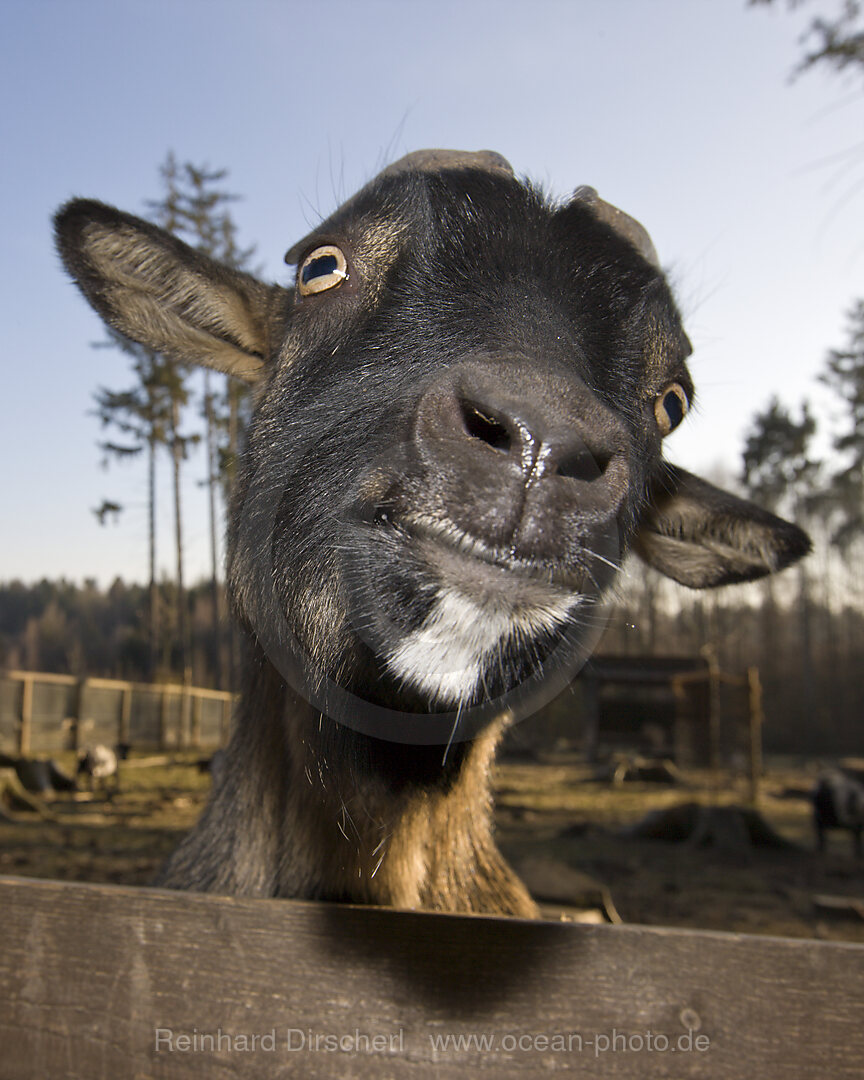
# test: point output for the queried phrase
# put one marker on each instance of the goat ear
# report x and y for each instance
(158, 291)
(701, 536)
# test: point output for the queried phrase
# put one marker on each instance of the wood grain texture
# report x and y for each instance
(89, 973)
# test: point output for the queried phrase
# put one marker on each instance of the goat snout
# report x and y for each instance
(512, 450)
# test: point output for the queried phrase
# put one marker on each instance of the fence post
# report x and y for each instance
(590, 718)
(756, 720)
(197, 704)
(125, 716)
(163, 717)
(80, 686)
(185, 734)
(710, 654)
(26, 716)
(226, 716)
(682, 748)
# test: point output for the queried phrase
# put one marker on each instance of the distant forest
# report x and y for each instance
(804, 631)
(83, 630)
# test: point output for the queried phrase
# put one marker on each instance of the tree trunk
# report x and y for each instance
(153, 618)
(212, 480)
(806, 630)
(183, 628)
(233, 447)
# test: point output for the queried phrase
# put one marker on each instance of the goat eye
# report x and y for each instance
(670, 408)
(324, 268)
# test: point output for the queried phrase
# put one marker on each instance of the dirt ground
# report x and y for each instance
(562, 813)
(557, 822)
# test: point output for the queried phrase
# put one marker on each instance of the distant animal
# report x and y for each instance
(460, 406)
(39, 776)
(214, 765)
(838, 803)
(97, 764)
(60, 780)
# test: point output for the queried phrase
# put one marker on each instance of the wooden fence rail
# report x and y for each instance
(42, 713)
(103, 983)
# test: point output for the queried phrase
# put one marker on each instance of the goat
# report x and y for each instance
(99, 765)
(459, 411)
(838, 803)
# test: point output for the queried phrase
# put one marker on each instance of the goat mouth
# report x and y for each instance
(443, 537)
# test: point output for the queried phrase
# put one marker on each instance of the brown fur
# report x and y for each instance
(289, 820)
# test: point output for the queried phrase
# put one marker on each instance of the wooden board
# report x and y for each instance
(42, 713)
(108, 982)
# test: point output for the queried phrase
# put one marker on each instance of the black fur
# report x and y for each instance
(470, 413)
(838, 803)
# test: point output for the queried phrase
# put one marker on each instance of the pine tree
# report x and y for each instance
(777, 468)
(836, 41)
(845, 375)
(196, 208)
(141, 415)
(150, 414)
(780, 474)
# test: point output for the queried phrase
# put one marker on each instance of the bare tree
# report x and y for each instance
(836, 40)
(141, 415)
(196, 208)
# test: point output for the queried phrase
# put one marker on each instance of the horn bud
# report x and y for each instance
(424, 161)
(622, 223)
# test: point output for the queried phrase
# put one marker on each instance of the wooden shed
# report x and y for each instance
(680, 707)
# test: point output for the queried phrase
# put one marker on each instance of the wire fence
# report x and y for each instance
(42, 713)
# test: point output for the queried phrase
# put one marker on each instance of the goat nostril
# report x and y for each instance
(583, 465)
(480, 425)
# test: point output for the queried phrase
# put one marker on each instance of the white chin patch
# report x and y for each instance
(446, 657)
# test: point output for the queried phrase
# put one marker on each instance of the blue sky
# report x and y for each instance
(679, 111)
